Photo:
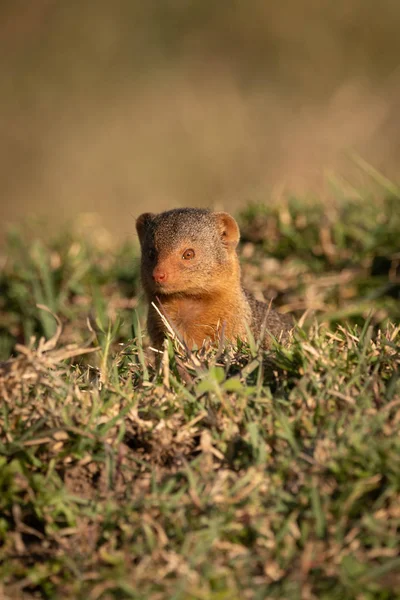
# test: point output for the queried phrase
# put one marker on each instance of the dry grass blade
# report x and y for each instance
(45, 345)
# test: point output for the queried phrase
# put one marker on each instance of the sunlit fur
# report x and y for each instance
(200, 296)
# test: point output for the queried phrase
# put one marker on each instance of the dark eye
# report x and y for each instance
(152, 254)
(188, 254)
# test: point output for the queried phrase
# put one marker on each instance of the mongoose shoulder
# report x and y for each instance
(190, 270)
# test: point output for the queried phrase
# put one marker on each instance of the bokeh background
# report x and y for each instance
(118, 107)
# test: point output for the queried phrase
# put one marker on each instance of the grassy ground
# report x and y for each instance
(223, 475)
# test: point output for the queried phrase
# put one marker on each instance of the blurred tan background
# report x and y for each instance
(131, 105)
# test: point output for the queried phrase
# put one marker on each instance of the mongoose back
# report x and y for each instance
(190, 270)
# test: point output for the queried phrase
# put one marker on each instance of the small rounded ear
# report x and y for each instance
(229, 229)
(142, 223)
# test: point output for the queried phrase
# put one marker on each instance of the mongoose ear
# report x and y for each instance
(229, 229)
(142, 223)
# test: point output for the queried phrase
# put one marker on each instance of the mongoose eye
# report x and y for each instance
(151, 254)
(188, 254)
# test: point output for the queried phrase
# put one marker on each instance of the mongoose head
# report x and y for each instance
(188, 251)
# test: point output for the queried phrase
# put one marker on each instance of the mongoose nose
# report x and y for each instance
(159, 276)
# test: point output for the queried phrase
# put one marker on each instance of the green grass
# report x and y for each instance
(218, 476)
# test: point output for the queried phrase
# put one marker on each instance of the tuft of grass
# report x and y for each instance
(225, 473)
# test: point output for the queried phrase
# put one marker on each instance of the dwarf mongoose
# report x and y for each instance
(190, 270)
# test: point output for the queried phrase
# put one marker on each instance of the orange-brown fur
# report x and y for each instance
(204, 317)
(201, 295)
